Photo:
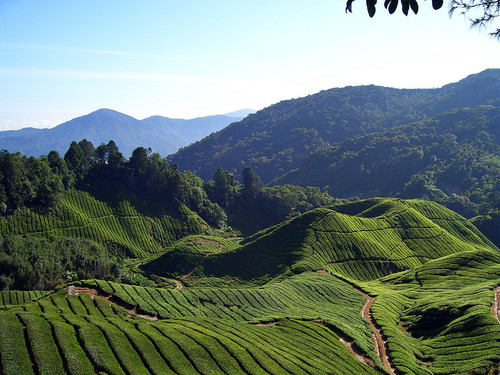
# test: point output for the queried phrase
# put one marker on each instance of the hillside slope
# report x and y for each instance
(455, 152)
(275, 140)
(122, 226)
(258, 308)
(362, 240)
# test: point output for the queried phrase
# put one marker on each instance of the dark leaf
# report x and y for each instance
(436, 4)
(414, 6)
(370, 5)
(392, 6)
(348, 6)
(406, 6)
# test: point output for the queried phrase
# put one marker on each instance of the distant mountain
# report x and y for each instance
(164, 135)
(275, 140)
(240, 113)
(20, 132)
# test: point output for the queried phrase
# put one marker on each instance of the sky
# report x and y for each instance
(191, 58)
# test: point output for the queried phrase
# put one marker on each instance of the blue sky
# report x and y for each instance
(190, 58)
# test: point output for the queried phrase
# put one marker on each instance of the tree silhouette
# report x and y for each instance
(481, 13)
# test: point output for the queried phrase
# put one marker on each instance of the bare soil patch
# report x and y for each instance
(495, 310)
(270, 324)
(131, 311)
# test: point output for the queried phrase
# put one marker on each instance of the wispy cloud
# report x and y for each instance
(104, 52)
(44, 47)
(135, 76)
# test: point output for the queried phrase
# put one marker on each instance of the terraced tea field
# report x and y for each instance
(191, 332)
(369, 287)
(120, 227)
(362, 241)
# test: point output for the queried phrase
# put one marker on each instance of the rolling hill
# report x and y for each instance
(362, 240)
(275, 140)
(164, 135)
(258, 307)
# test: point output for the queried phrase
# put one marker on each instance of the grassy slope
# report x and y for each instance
(436, 313)
(362, 240)
(120, 226)
(438, 317)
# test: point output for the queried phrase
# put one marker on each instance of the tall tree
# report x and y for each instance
(115, 157)
(75, 158)
(223, 187)
(252, 184)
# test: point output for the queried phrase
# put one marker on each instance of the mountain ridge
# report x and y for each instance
(162, 134)
(274, 140)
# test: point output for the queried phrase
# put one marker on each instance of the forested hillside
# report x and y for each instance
(451, 158)
(81, 215)
(277, 139)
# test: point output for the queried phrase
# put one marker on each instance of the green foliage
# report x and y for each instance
(185, 255)
(451, 158)
(489, 225)
(27, 182)
(116, 225)
(40, 263)
(104, 339)
(276, 140)
(438, 317)
(221, 190)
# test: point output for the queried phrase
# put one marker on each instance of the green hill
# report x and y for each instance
(362, 240)
(454, 153)
(86, 236)
(442, 317)
(275, 140)
(120, 227)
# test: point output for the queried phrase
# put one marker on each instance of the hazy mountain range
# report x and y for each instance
(164, 135)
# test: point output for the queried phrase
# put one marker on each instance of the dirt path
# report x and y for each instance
(380, 345)
(179, 285)
(495, 309)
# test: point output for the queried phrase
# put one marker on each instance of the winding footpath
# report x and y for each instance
(380, 345)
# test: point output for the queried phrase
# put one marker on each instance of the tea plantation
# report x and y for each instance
(116, 226)
(366, 287)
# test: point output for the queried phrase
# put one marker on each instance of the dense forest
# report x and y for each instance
(451, 158)
(277, 139)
